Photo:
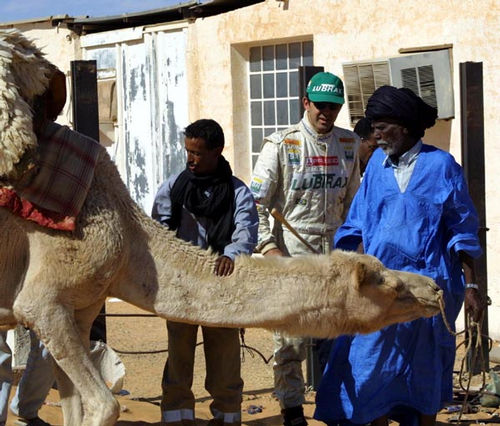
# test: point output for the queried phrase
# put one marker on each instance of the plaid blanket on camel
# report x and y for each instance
(56, 194)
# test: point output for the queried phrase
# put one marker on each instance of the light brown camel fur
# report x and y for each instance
(55, 282)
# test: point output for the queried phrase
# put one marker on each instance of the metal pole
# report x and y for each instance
(85, 105)
(472, 129)
(86, 121)
(313, 369)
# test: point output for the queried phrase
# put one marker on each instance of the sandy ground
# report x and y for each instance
(142, 384)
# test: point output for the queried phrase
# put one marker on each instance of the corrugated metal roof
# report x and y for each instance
(55, 19)
(183, 10)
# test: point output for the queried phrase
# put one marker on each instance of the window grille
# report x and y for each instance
(274, 88)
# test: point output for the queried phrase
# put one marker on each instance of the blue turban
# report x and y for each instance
(403, 106)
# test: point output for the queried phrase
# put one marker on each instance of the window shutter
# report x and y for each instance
(361, 80)
(427, 74)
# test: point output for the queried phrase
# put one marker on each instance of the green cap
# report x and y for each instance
(325, 87)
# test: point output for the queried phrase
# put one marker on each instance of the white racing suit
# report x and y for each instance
(311, 179)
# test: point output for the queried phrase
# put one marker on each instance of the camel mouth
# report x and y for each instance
(430, 307)
(428, 302)
(424, 307)
(430, 311)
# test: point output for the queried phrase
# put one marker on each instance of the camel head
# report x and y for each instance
(378, 296)
(25, 77)
(358, 294)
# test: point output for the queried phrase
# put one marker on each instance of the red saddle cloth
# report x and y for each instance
(25, 209)
(55, 196)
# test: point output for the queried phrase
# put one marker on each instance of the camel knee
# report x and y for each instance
(104, 412)
(25, 311)
(112, 412)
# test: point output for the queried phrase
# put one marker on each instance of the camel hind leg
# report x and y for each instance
(85, 398)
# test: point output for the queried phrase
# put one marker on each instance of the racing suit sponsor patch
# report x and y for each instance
(293, 155)
(303, 181)
(259, 187)
(349, 152)
(322, 161)
(346, 140)
(291, 142)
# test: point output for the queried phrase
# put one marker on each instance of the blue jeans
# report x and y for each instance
(37, 379)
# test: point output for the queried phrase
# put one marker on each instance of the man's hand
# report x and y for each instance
(223, 266)
(274, 252)
(474, 303)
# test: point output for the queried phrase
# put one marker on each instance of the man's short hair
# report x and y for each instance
(208, 130)
(363, 128)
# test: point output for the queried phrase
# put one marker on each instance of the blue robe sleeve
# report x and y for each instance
(460, 219)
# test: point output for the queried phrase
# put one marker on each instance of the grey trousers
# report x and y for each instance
(223, 374)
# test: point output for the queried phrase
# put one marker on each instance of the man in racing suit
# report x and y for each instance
(310, 173)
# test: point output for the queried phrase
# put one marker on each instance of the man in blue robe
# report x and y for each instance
(414, 213)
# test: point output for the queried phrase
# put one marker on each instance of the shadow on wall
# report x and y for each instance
(439, 135)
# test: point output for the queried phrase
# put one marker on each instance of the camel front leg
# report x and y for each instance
(72, 402)
(7, 319)
(85, 398)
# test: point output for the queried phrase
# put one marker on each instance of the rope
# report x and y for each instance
(472, 329)
(445, 320)
(477, 347)
(159, 351)
(127, 315)
(252, 351)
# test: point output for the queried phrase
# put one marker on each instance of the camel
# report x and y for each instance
(55, 282)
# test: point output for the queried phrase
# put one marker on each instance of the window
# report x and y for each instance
(427, 74)
(105, 58)
(274, 88)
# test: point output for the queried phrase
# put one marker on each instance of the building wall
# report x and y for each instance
(348, 31)
(149, 69)
(148, 66)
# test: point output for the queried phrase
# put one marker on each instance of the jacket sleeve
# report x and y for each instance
(264, 185)
(162, 205)
(246, 223)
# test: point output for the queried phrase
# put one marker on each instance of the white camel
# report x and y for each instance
(55, 282)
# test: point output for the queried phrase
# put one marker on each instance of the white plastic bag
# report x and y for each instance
(109, 364)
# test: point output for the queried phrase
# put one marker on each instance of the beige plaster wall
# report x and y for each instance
(346, 31)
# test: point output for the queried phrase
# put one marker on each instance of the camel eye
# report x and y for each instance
(400, 285)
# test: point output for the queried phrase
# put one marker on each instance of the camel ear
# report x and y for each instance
(56, 95)
(359, 274)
